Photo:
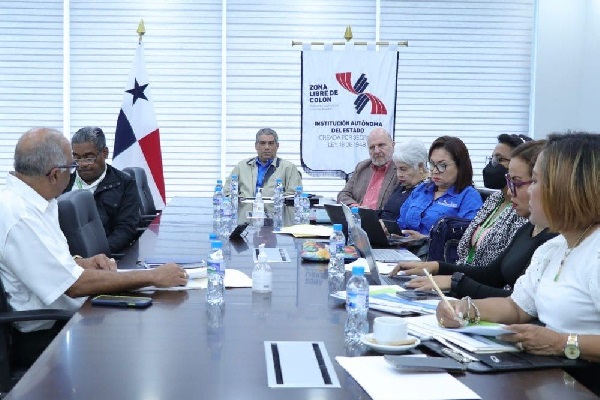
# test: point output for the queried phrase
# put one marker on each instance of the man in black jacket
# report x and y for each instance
(117, 199)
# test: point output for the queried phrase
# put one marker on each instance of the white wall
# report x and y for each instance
(567, 60)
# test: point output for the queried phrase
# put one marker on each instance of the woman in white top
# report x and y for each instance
(561, 287)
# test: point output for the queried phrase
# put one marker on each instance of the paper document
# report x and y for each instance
(382, 381)
(184, 261)
(383, 267)
(307, 230)
(299, 365)
(233, 279)
(383, 298)
(274, 254)
(484, 328)
(427, 325)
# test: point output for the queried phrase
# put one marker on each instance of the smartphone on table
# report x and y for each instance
(122, 301)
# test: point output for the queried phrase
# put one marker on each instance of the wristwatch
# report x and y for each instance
(572, 348)
(455, 280)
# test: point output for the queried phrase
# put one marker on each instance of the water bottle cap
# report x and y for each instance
(219, 181)
(212, 236)
(299, 188)
(354, 210)
(278, 180)
(218, 188)
(337, 227)
(234, 176)
(216, 244)
(358, 270)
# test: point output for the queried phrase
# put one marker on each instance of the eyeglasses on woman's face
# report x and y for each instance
(513, 185)
(439, 167)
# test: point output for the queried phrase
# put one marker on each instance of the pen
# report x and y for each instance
(454, 349)
(439, 292)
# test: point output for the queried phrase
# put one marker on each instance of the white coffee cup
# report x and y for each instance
(389, 330)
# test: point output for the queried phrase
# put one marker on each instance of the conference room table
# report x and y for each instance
(181, 348)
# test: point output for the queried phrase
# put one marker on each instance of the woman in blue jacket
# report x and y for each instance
(449, 193)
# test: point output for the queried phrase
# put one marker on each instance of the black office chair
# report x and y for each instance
(80, 222)
(485, 192)
(147, 207)
(9, 375)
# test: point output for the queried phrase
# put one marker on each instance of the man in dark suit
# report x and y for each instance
(116, 195)
(374, 179)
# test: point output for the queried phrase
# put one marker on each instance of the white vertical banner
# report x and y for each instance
(345, 95)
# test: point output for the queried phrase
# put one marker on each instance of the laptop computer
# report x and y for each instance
(384, 255)
(336, 216)
(369, 221)
(361, 241)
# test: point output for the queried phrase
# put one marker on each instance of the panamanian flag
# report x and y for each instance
(137, 139)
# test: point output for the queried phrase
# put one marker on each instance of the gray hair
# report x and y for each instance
(35, 157)
(269, 132)
(411, 153)
(90, 134)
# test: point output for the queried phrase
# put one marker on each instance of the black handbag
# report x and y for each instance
(444, 237)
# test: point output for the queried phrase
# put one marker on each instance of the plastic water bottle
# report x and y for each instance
(216, 273)
(258, 210)
(217, 202)
(357, 305)
(234, 189)
(357, 222)
(336, 251)
(234, 196)
(304, 209)
(226, 214)
(297, 211)
(278, 195)
(262, 276)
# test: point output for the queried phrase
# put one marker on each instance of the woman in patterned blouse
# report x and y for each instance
(496, 222)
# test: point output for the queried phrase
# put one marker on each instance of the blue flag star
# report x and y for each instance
(138, 91)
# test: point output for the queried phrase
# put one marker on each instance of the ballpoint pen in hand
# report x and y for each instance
(441, 294)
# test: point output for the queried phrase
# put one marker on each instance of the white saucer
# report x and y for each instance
(388, 349)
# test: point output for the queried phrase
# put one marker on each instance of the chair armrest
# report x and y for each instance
(34, 315)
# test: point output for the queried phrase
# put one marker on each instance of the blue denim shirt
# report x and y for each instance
(420, 211)
(262, 171)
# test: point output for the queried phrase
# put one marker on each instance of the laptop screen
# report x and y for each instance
(361, 241)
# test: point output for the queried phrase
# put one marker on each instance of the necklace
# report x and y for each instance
(569, 250)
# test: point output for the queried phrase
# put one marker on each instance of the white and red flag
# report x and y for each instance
(137, 138)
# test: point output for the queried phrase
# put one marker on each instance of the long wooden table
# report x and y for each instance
(182, 349)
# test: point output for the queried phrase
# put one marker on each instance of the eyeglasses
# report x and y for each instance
(439, 167)
(496, 159)
(71, 168)
(513, 185)
(86, 160)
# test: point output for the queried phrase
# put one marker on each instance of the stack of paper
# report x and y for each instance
(382, 381)
(198, 280)
(427, 325)
(307, 230)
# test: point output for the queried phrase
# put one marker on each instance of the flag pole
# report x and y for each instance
(141, 30)
(348, 36)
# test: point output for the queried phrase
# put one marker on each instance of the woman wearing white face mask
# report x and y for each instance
(496, 222)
